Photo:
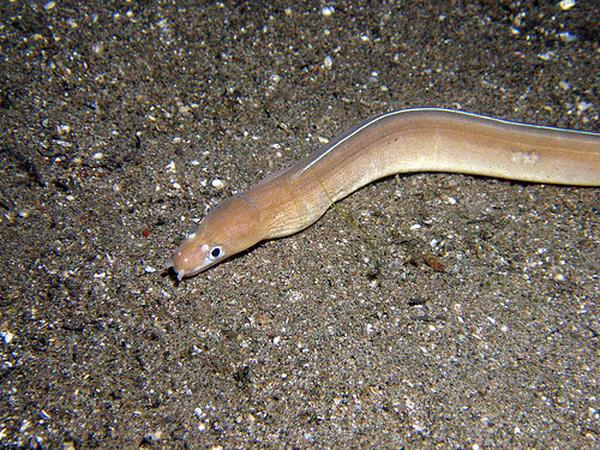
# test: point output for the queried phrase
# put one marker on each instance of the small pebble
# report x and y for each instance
(63, 129)
(217, 184)
(583, 106)
(98, 48)
(567, 37)
(152, 438)
(63, 143)
(199, 413)
(546, 56)
(559, 277)
(327, 11)
(434, 262)
(566, 5)
(564, 85)
(7, 336)
(24, 425)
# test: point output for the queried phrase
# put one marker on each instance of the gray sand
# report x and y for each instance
(471, 322)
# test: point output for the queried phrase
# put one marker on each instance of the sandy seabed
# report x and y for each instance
(469, 321)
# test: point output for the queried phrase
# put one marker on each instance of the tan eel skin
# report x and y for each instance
(411, 140)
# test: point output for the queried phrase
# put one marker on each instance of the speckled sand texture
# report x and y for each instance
(469, 319)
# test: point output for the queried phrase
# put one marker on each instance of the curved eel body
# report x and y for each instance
(411, 140)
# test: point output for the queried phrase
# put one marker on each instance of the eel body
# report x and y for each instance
(411, 140)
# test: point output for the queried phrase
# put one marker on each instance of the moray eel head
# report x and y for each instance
(230, 228)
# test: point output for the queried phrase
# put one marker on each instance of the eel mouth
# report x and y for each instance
(181, 272)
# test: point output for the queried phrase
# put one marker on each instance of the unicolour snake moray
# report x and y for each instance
(410, 140)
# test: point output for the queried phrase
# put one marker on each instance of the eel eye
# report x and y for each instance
(215, 253)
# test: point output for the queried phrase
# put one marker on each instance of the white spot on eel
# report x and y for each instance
(525, 157)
